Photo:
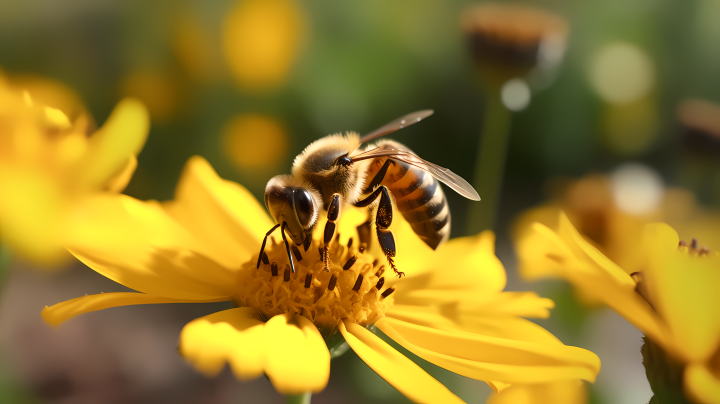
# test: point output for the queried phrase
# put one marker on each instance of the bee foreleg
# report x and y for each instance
(383, 220)
(332, 216)
(262, 248)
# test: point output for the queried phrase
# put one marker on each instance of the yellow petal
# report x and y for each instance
(222, 213)
(236, 336)
(490, 324)
(547, 253)
(147, 250)
(123, 135)
(461, 264)
(701, 384)
(61, 312)
(490, 358)
(118, 183)
(398, 370)
(683, 289)
(297, 359)
(570, 392)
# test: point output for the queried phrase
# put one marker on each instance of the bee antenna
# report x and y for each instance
(287, 245)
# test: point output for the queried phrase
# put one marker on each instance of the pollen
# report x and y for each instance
(352, 289)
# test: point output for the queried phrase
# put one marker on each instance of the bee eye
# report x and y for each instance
(303, 206)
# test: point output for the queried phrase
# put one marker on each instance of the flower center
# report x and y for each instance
(353, 289)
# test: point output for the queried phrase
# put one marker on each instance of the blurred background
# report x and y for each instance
(624, 130)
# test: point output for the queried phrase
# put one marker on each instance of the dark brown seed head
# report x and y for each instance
(333, 281)
(265, 258)
(380, 283)
(387, 292)
(350, 263)
(358, 283)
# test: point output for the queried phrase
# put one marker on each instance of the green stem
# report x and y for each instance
(298, 398)
(490, 165)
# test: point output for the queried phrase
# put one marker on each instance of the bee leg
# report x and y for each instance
(332, 216)
(383, 220)
(262, 249)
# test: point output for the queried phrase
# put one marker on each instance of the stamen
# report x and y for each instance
(296, 253)
(308, 280)
(380, 271)
(703, 251)
(387, 292)
(694, 244)
(333, 281)
(322, 254)
(380, 283)
(358, 283)
(265, 258)
(375, 262)
(682, 243)
(337, 238)
(350, 262)
(286, 276)
(349, 244)
(362, 248)
(274, 269)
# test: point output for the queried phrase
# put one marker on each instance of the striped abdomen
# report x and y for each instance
(418, 197)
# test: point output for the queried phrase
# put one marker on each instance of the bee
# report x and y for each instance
(335, 170)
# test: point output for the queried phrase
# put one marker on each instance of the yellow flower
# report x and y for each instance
(566, 392)
(673, 300)
(261, 39)
(591, 204)
(48, 162)
(203, 247)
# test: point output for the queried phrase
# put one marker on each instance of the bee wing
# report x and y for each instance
(447, 177)
(402, 122)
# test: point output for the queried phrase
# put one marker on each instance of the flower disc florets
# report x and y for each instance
(353, 289)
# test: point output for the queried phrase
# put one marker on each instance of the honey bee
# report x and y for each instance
(334, 170)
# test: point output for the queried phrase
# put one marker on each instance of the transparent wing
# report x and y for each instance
(402, 122)
(447, 177)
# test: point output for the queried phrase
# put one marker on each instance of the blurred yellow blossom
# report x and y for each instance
(673, 299)
(254, 141)
(203, 247)
(48, 162)
(611, 213)
(261, 39)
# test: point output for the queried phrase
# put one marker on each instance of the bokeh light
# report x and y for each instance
(515, 94)
(254, 141)
(261, 39)
(621, 73)
(637, 188)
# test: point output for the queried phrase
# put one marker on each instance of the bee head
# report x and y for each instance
(293, 201)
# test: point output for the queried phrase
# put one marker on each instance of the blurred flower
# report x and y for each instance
(203, 247)
(261, 39)
(156, 89)
(612, 211)
(254, 141)
(700, 122)
(568, 392)
(673, 299)
(194, 46)
(507, 41)
(48, 162)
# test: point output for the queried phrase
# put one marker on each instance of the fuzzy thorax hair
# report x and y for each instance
(316, 165)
